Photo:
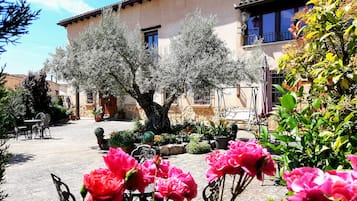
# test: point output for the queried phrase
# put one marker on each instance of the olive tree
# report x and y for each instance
(113, 59)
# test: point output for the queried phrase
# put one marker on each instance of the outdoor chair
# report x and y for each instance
(62, 189)
(213, 190)
(21, 130)
(143, 152)
(43, 128)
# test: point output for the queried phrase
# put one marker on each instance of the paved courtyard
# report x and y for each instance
(72, 151)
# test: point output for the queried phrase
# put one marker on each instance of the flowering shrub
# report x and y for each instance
(124, 172)
(245, 159)
(307, 183)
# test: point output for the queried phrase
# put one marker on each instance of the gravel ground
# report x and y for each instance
(72, 151)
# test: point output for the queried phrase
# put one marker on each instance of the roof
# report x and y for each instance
(95, 12)
(248, 3)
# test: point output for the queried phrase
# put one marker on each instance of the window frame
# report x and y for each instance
(278, 34)
(275, 93)
(203, 98)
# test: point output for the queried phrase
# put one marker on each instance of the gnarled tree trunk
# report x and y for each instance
(158, 119)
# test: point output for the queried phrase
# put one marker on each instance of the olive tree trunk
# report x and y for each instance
(158, 119)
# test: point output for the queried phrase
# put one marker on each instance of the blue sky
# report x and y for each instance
(44, 34)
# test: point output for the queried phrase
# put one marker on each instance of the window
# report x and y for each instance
(276, 78)
(89, 97)
(151, 39)
(271, 26)
(285, 22)
(268, 27)
(203, 97)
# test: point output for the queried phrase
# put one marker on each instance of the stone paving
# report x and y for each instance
(73, 151)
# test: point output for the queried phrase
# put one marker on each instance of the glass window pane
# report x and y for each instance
(285, 22)
(253, 30)
(156, 40)
(269, 27)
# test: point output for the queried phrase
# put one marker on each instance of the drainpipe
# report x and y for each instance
(77, 103)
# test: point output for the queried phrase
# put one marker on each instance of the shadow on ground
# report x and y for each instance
(20, 158)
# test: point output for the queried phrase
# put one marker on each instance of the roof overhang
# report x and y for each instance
(94, 13)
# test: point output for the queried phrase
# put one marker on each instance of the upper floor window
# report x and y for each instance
(271, 26)
(151, 39)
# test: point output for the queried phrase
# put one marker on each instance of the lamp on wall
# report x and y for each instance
(244, 15)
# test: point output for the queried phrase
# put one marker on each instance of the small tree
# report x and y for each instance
(36, 96)
(113, 59)
(15, 17)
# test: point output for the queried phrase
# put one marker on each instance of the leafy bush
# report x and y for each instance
(58, 113)
(197, 147)
(167, 138)
(57, 101)
(121, 139)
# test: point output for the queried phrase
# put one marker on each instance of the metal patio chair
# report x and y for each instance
(62, 189)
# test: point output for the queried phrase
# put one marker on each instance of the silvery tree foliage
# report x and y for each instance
(113, 59)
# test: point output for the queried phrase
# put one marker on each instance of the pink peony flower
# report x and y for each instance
(353, 159)
(219, 165)
(156, 168)
(171, 188)
(119, 162)
(251, 157)
(190, 190)
(126, 167)
(305, 178)
(343, 185)
(177, 186)
(136, 179)
(103, 185)
(310, 195)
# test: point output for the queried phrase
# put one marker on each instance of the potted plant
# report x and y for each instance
(98, 113)
(123, 139)
(103, 143)
(220, 132)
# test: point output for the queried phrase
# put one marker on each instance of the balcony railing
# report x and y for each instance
(268, 37)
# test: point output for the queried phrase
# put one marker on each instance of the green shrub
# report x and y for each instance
(58, 113)
(167, 138)
(121, 139)
(198, 147)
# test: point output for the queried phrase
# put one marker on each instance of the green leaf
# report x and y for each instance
(283, 138)
(326, 36)
(288, 101)
(341, 140)
(311, 34)
(316, 104)
(349, 117)
(280, 88)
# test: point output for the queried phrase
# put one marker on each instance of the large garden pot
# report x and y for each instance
(221, 142)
